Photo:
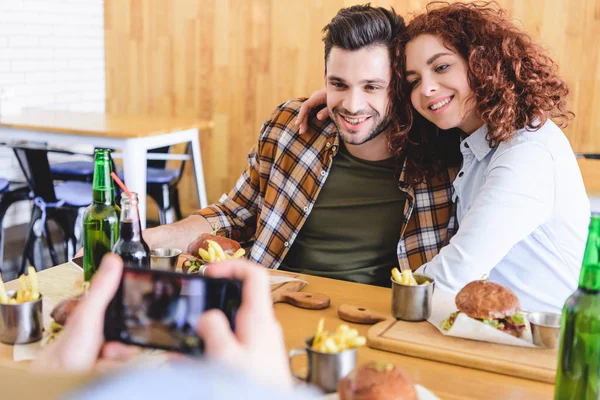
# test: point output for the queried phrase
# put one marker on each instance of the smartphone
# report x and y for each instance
(161, 309)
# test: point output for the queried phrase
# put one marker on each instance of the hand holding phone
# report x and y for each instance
(162, 309)
(257, 347)
(80, 347)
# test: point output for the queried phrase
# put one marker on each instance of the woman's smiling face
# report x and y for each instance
(440, 90)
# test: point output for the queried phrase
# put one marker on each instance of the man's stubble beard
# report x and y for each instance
(377, 130)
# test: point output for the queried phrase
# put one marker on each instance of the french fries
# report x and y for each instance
(405, 278)
(215, 253)
(28, 289)
(343, 338)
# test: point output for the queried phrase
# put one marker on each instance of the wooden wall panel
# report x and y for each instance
(233, 61)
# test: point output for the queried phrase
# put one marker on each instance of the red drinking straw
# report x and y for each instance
(121, 184)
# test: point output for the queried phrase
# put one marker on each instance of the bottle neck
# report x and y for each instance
(103, 191)
(589, 278)
(131, 228)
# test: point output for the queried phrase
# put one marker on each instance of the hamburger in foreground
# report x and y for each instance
(490, 303)
(377, 381)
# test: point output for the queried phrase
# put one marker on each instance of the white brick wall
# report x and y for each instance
(51, 57)
(52, 53)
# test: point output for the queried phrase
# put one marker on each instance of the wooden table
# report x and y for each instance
(133, 134)
(445, 380)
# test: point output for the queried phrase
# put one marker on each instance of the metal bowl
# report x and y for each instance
(21, 323)
(164, 258)
(412, 303)
(545, 329)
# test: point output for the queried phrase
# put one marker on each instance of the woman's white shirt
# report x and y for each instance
(523, 215)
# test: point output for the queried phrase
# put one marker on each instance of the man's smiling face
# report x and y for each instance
(357, 92)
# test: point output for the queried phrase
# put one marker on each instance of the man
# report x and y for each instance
(334, 202)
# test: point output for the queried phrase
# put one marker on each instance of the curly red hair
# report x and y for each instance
(514, 82)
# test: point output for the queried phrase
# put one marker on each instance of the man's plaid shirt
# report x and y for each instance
(275, 194)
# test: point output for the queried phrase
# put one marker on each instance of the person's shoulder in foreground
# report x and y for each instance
(184, 381)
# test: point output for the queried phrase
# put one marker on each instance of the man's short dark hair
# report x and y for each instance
(361, 26)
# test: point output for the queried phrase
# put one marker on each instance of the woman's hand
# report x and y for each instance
(316, 99)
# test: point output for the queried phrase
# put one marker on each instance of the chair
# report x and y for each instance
(162, 182)
(60, 203)
(10, 193)
(73, 171)
(162, 186)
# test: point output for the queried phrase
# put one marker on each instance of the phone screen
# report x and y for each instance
(161, 309)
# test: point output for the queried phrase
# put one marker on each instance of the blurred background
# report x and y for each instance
(231, 62)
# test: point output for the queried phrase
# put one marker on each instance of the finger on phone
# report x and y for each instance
(215, 331)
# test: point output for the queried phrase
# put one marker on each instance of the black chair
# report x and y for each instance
(60, 203)
(73, 171)
(10, 193)
(162, 185)
(162, 182)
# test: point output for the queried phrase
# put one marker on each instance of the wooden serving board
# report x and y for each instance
(423, 340)
(284, 292)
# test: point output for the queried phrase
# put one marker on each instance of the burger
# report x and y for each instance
(195, 260)
(377, 381)
(229, 246)
(490, 303)
(60, 314)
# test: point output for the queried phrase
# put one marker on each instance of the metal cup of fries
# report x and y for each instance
(325, 370)
(331, 355)
(21, 311)
(412, 301)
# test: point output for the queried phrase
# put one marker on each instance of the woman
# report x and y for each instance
(521, 203)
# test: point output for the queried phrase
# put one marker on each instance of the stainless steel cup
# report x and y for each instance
(21, 323)
(545, 329)
(412, 303)
(325, 370)
(164, 258)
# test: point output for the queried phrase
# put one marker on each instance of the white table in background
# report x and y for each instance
(134, 135)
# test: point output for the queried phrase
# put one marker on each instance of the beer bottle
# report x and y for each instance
(101, 218)
(131, 246)
(578, 372)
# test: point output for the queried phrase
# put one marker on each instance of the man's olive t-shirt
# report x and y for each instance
(353, 229)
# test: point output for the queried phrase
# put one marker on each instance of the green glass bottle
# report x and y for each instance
(101, 218)
(578, 372)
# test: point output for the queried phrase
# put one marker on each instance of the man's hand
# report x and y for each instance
(177, 235)
(257, 347)
(81, 341)
(316, 99)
